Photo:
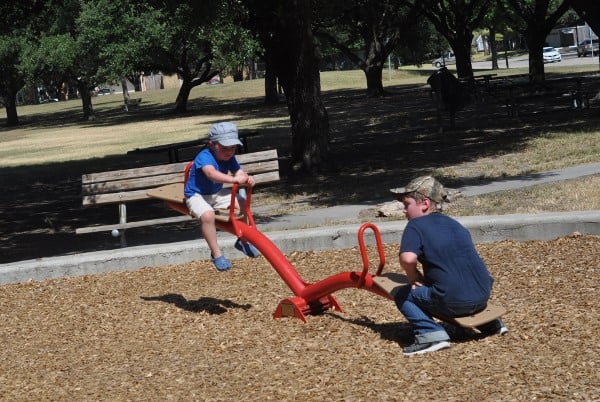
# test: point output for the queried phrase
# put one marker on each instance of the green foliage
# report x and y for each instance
(51, 60)
(233, 46)
(11, 64)
(119, 38)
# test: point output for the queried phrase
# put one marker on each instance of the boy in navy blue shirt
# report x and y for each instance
(455, 280)
(204, 192)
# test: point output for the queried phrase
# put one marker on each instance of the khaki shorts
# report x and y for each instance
(199, 204)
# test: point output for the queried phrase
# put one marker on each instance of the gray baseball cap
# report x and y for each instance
(224, 133)
(427, 186)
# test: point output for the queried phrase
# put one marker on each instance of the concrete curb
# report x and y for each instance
(483, 229)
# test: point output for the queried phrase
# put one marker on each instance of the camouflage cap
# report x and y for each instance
(427, 186)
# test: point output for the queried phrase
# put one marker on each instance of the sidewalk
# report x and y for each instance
(344, 214)
(325, 229)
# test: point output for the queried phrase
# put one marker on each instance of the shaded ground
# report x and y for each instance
(188, 332)
(377, 143)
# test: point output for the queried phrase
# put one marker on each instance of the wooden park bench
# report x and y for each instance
(392, 281)
(173, 150)
(131, 104)
(122, 187)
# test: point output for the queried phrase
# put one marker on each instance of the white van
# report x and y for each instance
(446, 58)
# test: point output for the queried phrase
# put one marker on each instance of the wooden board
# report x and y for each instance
(171, 192)
(490, 313)
(391, 282)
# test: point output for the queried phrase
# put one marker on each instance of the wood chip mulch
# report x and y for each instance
(187, 332)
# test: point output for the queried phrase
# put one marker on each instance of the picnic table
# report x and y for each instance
(173, 150)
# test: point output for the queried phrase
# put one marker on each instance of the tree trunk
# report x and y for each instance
(462, 51)
(10, 104)
(493, 50)
(374, 74)
(535, 43)
(298, 71)
(125, 89)
(86, 100)
(183, 96)
(271, 85)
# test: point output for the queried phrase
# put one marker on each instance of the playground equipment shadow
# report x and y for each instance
(322, 229)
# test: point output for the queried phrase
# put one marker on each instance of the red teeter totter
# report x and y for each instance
(312, 298)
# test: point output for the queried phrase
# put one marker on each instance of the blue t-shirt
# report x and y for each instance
(198, 183)
(451, 265)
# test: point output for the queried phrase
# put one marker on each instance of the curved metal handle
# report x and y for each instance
(363, 251)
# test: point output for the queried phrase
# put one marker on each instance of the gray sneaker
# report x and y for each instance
(420, 348)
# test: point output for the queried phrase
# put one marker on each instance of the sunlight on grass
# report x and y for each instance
(572, 195)
(546, 152)
(38, 141)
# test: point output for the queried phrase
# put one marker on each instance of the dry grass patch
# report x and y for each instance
(582, 194)
(541, 153)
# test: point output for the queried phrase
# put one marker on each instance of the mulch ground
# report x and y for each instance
(187, 332)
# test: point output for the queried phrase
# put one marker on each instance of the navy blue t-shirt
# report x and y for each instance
(198, 183)
(451, 264)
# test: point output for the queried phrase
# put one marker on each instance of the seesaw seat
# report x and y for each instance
(173, 194)
(392, 281)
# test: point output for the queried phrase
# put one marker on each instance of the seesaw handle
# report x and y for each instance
(363, 251)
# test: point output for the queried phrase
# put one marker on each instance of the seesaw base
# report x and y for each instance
(299, 308)
(391, 283)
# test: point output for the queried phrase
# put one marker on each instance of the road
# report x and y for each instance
(568, 59)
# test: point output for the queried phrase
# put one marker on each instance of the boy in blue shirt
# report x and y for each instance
(204, 192)
(455, 280)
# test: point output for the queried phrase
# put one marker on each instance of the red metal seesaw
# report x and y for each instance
(313, 298)
(316, 298)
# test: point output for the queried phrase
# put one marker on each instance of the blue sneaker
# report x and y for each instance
(247, 248)
(221, 263)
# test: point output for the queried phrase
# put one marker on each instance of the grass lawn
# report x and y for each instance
(376, 144)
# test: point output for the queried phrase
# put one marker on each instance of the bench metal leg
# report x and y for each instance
(122, 219)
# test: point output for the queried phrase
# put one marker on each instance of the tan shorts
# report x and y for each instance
(199, 204)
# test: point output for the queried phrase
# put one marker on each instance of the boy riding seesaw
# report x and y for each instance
(455, 281)
(204, 190)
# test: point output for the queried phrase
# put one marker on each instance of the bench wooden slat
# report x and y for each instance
(267, 160)
(174, 192)
(150, 181)
(135, 224)
(133, 173)
(113, 198)
(142, 194)
(130, 184)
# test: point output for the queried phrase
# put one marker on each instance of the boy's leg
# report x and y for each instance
(411, 303)
(209, 232)
(201, 209)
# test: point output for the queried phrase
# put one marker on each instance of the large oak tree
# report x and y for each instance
(285, 31)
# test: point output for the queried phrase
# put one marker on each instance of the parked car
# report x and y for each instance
(446, 58)
(587, 46)
(551, 55)
(105, 91)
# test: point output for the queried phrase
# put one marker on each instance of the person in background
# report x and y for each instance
(214, 166)
(455, 281)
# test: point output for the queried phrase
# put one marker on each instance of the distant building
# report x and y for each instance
(569, 36)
